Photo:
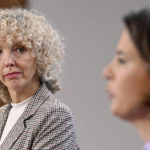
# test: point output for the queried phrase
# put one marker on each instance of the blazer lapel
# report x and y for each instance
(3, 116)
(35, 102)
(13, 134)
(40, 96)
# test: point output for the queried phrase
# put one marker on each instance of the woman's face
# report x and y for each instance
(129, 80)
(17, 65)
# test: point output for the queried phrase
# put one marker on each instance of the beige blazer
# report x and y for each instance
(46, 124)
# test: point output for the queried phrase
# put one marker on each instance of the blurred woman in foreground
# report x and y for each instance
(129, 74)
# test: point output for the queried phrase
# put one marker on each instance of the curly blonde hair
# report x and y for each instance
(36, 33)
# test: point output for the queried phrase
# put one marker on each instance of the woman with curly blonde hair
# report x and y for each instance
(31, 56)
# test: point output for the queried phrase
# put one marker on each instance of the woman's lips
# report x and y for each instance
(12, 75)
(110, 95)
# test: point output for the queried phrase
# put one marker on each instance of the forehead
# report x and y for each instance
(126, 45)
(14, 38)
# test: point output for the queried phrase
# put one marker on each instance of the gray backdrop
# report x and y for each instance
(91, 29)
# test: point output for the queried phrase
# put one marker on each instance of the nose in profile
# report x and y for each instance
(107, 72)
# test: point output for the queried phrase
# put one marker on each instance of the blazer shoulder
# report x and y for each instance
(52, 104)
(55, 126)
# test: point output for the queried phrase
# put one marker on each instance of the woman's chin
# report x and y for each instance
(119, 113)
(13, 86)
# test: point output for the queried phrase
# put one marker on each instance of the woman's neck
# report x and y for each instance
(23, 93)
(143, 127)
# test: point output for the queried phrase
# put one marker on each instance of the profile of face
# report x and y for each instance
(17, 65)
(128, 80)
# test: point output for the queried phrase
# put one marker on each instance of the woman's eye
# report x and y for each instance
(20, 49)
(121, 61)
(1, 51)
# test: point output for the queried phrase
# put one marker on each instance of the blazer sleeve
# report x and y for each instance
(56, 130)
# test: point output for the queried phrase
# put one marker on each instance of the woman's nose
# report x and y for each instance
(9, 60)
(107, 72)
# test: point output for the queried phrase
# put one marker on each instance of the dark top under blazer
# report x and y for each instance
(46, 124)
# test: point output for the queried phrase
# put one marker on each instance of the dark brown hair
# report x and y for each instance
(138, 25)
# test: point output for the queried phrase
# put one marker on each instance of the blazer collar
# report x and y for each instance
(40, 96)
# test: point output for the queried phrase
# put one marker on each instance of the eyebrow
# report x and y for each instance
(17, 43)
(120, 52)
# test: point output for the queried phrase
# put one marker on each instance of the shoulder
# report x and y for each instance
(46, 101)
(55, 126)
(52, 115)
(53, 106)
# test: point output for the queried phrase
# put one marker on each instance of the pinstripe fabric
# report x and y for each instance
(46, 124)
